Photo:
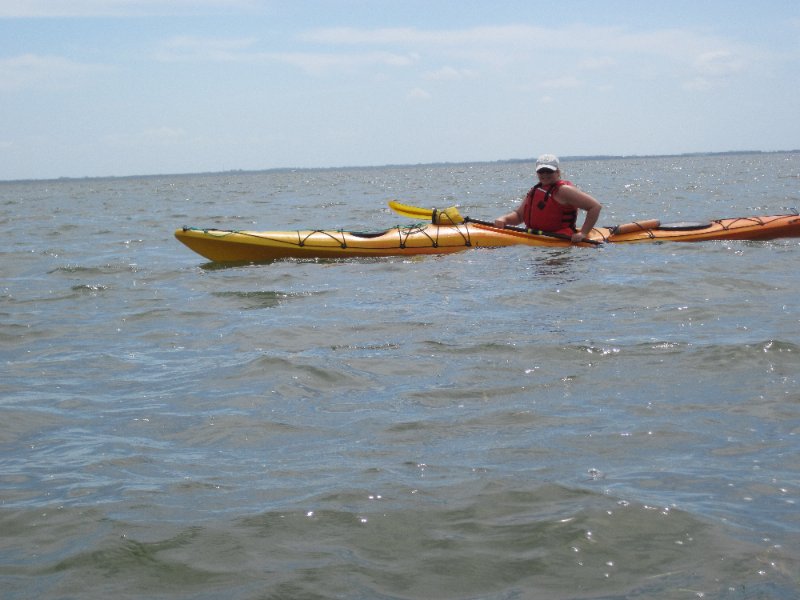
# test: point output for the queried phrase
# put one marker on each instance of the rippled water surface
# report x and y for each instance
(619, 422)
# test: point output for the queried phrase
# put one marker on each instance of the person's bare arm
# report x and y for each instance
(575, 197)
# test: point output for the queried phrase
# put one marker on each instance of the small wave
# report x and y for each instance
(369, 347)
(90, 287)
(263, 299)
(108, 269)
(480, 540)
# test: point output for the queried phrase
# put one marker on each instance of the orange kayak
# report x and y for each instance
(255, 246)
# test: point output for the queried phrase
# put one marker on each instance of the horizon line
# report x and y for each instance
(399, 165)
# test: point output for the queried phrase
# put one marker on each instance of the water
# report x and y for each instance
(513, 423)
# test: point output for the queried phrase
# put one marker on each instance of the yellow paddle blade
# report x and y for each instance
(446, 216)
(414, 212)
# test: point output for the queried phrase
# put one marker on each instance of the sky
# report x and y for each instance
(94, 88)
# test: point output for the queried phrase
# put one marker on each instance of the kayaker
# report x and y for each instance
(552, 204)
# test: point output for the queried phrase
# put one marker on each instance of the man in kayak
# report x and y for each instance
(552, 204)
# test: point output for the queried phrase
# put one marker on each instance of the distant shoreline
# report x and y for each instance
(596, 157)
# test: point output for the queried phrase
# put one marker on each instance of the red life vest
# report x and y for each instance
(542, 211)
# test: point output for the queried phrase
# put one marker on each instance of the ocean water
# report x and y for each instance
(517, 423)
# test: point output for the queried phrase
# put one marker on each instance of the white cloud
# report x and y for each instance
(524, 46)
(702, 60)
(504, 35)
(244, 50)
(519, 47)
(192, 48)
(164, 134)
(597, 63)
(31, 71)
(718, 63)
(698, 84)
(322, 62)
(561, 83)
(668, 42)
(117, 8)
(713, 69)
(449, 74)
(419, 94)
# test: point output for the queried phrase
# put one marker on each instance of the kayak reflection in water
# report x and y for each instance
(552, 204)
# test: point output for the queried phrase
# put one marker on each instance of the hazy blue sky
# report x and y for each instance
(125, 87)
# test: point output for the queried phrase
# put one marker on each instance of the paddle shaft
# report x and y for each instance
(416, 212)
(551, 234)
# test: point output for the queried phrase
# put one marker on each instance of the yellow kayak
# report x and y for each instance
(435, 238)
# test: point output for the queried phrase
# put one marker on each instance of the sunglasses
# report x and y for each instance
(544, 171)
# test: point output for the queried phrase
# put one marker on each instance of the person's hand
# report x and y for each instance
(578, 237)
(500, 223)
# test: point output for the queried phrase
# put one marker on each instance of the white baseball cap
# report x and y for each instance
(547, 161)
